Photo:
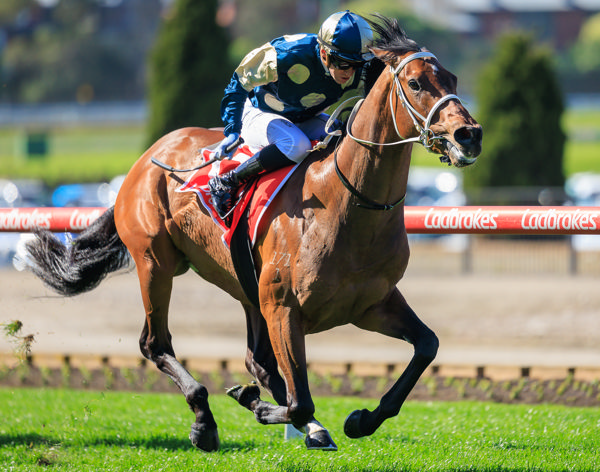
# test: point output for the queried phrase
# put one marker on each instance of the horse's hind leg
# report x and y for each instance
(156, 280)
(394, 318)
(262, 364)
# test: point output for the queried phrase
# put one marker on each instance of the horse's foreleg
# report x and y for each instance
(262, 364)
(287, 339)
(155, 344)
(394, 318)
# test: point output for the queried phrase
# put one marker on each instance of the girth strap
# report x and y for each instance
(243, 262)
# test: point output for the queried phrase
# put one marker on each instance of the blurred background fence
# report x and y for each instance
(502, 255)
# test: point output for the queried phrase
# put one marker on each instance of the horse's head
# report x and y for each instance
(425, 91)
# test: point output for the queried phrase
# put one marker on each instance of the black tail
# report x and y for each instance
(83, 263)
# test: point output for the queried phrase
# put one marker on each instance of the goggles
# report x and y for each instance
(343, 64)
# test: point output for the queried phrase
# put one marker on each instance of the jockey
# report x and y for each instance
(277, 94)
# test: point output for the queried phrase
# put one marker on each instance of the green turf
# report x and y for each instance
(73, 154)
(65, 430)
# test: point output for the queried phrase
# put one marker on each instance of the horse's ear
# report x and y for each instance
(381, 54)
(372, 72)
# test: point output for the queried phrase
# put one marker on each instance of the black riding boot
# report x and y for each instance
(223, 187)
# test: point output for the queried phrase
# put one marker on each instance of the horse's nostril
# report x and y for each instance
(467, 135)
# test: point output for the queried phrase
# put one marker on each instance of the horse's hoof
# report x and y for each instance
(244, 394)
(204, 438)
(233, 391)
(352, 427)
(320, 440)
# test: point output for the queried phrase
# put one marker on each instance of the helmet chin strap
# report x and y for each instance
(327, 60)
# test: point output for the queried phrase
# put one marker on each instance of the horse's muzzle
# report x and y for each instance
(469, 138)
(463, 150)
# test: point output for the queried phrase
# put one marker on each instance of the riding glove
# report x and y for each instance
(221, 151)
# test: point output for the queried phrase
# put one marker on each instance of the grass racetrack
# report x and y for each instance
(68, 430)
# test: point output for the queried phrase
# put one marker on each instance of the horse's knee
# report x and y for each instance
(197, 397)
(143, 342)
(144, 348)
(300, 414)
(153, 349)
(427, 347)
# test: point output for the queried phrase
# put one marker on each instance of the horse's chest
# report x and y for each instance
(358, 265)
(339, 292)
(332, 276)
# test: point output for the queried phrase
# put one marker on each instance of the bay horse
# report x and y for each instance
(334, 248)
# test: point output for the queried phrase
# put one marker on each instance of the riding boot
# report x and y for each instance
(223, 187)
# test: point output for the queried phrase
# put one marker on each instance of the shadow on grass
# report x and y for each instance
(302, 463)
(30, 439)
(159, 442)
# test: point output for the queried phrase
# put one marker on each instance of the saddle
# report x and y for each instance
(252, 201)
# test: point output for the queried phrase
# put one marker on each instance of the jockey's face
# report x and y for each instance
(342, 74)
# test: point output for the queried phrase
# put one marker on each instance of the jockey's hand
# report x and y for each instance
(226, 148)
(336, 125)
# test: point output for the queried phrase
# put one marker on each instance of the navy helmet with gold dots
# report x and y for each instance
(346, 36)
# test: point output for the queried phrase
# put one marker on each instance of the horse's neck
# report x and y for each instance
(380, 173)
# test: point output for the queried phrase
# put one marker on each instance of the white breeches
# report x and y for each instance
(260, 129)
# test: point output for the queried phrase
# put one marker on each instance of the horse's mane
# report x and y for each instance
(390, 37)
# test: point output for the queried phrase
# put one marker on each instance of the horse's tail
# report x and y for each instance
(83, 263)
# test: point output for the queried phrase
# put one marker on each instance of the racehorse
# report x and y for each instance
(334, 248)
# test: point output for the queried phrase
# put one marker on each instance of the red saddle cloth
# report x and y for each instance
(255, 197)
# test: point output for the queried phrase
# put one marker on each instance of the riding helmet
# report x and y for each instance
(347, 36)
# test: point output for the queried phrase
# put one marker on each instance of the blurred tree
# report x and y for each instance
(188, 69)
(520, 107)
(9, 9)
(279, 17)
(260, 21)
(441, 41)
(71, 51)
(580, 66)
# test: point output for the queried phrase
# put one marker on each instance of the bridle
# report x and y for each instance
(426, 135)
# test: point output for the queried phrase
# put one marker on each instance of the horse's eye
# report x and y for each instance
(414, 85)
